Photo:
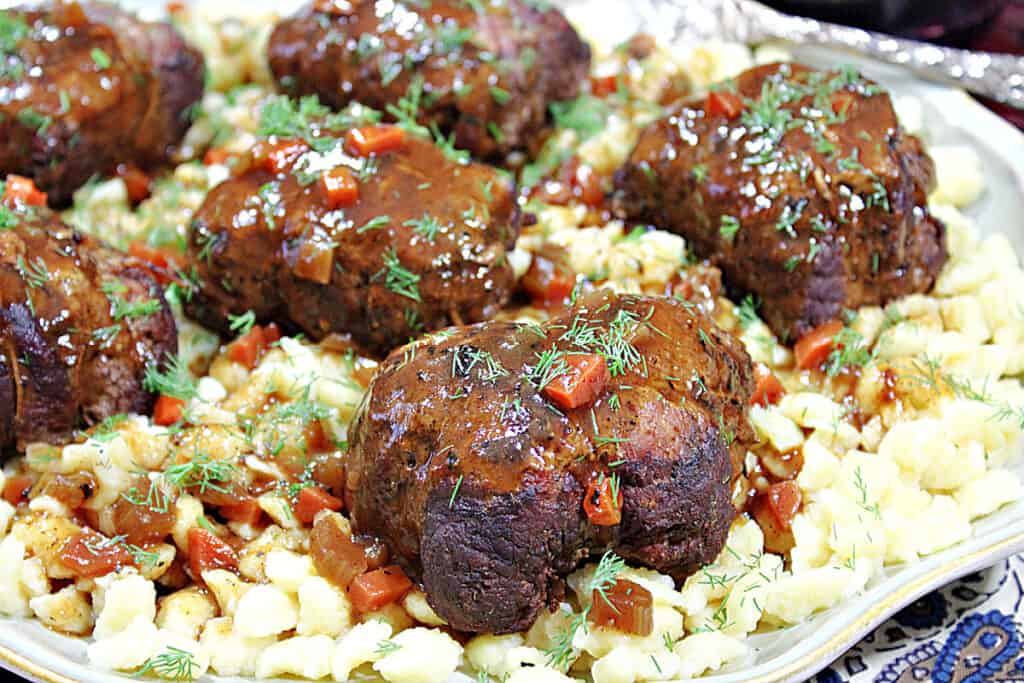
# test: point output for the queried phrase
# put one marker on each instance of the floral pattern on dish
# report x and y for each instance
(970, 631)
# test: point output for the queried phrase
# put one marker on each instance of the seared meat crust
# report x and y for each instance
(487, 75)
(475, 481)
(88, 87)
(424, 247)
(813, 200)
(79, 324)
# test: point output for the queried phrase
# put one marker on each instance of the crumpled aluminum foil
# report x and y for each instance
(998, 76)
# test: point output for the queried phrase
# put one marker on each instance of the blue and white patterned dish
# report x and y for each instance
(969, 631)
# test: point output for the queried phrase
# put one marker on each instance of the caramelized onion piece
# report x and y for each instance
(626, 606)
(89, 555)
(70, 489)
(774, 511)
(337, 557)
(142, 524)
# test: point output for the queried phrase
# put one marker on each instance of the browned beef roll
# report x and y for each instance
(79, 325)
(800, 185)
(84, 87)
(483, 72)
(364, 231)
(489, 458)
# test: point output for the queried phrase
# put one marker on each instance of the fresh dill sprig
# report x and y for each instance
(849, 350)
(407, 110)
(201, 472)
(562, 653)
(549, 366)
(34, 272)
(242, 324)
(465, 358)
(174, 664)
(746, 312)
(427, 226)
(174, 380)
(399, 279)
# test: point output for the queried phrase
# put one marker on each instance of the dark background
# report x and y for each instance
(995, 25)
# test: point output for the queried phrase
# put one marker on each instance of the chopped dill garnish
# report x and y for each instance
(397, 278)
(174, 664)
(242, 324)
(174, 380)
(562, 653)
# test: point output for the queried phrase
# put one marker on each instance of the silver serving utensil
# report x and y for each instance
(998, 76)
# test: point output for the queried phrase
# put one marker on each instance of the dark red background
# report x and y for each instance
(1002, 30)
(1005, 34)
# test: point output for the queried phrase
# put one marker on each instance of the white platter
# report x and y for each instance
(797, 653)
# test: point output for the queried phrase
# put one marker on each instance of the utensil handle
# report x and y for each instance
(998, 76)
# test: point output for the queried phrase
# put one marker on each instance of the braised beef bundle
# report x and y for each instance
(335, 226)
(79, 325)
(87, 86)
(800, 185)
(493, 459)
(484, 73)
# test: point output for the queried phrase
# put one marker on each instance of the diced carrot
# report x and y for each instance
(548, 282)
(206, 551)
(271, 334)
(842, 102)
(774, 511)
(175, 8)
(722, 103)
(216, 155)
(585, 380)
(89, 555)
(136, 182)
(814, 347)
(380, 587)
(316, 438)
(168, 410)
(784, 501)
(246, 511)
(603, 502)
(163, 261)
(16, 489)
(768, 389)
(249, 348)
(246, 349)
(143, 251)
(20, 189)
(626, 606)
(371, 140)
(279, 157)
(603, 86)
(589, 184)
(313, 499)
(340, 187)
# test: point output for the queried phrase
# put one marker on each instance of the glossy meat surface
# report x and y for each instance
(487, 71)
(813, 199)
(86, 87)
(79, 324)
(424, 247)
(475, 481)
